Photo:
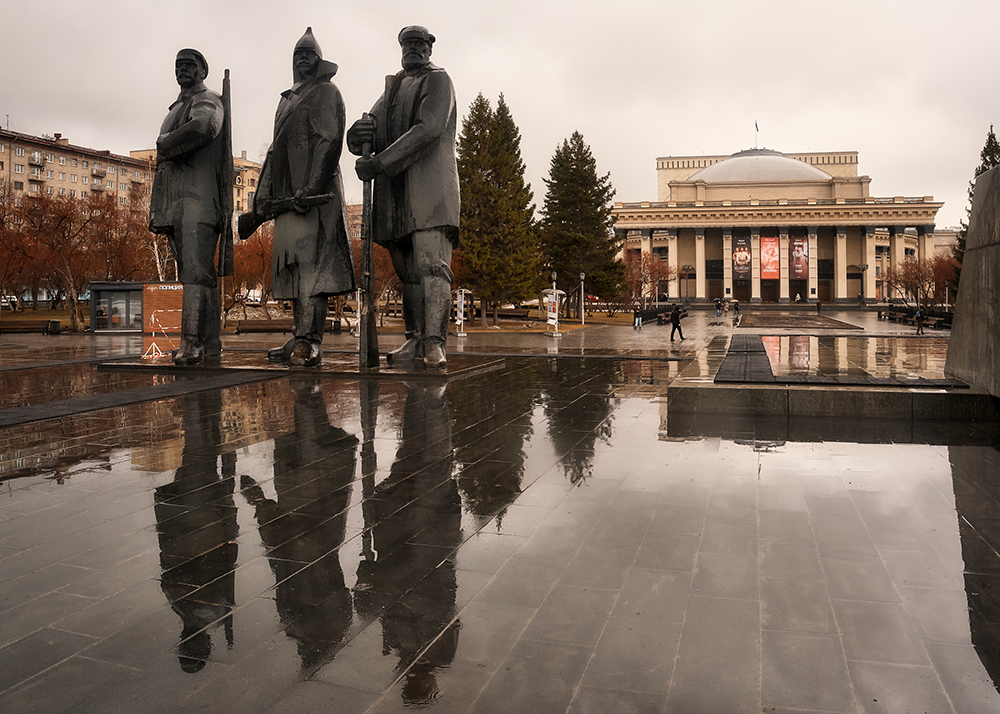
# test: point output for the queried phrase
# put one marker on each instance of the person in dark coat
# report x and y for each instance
(188, 202)
(675, 323)
(312, 258)
(411, 131)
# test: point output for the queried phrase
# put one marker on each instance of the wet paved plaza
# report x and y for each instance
(531, 538)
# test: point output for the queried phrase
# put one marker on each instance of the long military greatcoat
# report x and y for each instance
(415, 124)
(312, 251)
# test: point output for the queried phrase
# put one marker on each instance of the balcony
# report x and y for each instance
(36, 159)
(97, 186)
(98, 172)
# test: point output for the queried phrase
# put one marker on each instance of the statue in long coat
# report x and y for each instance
(301, 187)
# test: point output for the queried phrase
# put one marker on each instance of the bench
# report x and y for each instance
(278, 324)
(44, 327)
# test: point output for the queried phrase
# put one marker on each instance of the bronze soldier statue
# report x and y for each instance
(411, 130)
(301, 188)
(191, 201)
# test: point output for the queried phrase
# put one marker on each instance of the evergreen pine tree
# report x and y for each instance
(499, 258)
(989, 157)
(578, 228)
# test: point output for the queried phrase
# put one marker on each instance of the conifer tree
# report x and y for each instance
(989, 157)
(499, 256)
(578, 228)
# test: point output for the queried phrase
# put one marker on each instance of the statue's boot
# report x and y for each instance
(211, 321)
(281, 354)
(195, 306)
(306, 354)
(437, 310)
(409, 351)
(190, 352)
(434, 356)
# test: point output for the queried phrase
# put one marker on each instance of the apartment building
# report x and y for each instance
(52, 165)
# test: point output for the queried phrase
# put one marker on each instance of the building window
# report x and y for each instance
(72, 162)
(123, 171)
(253, 182)
(86, 164)
(49, 190)
(62, 192)
(122, 200)
(62, 176)
(18, 151)
(18, 186)
(110, 183)
(72, 193)
(72, 178)
(122, 187)
(62, 160)
(83, 194)
(84, 179)
(49, 173)
(3, 148)
(1, 165)
(19, 168)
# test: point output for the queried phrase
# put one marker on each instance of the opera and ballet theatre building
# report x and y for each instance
(761, 226)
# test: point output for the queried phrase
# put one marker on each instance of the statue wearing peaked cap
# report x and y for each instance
(301, 188)
(191, 201)
(416, 208)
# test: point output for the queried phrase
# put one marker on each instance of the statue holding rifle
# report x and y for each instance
(411, 130)
(301, 188)
(192, 201)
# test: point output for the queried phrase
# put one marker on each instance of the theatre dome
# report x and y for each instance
(759, 165)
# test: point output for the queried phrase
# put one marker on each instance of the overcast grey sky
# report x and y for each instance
(909, 84)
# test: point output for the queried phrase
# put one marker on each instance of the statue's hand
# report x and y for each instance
(368, 167)
(296, 205)
(363, 130)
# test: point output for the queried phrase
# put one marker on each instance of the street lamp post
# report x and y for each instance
(582, 297)
(864, 298)
(687, 283)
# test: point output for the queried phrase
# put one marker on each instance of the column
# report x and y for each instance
(813, 264)
(783, 290)
(727, 263)
(840, 265)
(869, 275)
(755, 264)
(897, 246)
(925, 242)
(699, 263)
(673, 259)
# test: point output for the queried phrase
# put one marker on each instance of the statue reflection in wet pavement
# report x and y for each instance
(305, 525)
(197, 528)
(414, 522)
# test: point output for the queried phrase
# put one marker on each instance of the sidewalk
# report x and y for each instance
(529, 539)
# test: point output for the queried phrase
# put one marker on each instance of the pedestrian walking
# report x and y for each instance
(918, 318)
(675, 323)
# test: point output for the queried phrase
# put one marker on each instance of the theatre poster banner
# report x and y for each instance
(770, 258)
(741, 257)
(798, 263)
